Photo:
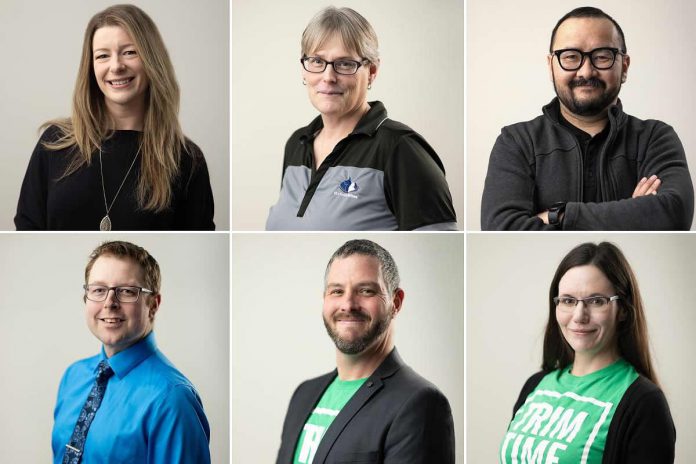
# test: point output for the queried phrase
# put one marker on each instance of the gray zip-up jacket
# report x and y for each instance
(537, 163)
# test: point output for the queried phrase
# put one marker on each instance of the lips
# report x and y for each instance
(329, 92)
(111, 320)
(118, 83)
(582, 332)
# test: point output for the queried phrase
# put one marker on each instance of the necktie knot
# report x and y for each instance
(104, 372)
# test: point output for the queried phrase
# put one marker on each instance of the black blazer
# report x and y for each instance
(396, 416)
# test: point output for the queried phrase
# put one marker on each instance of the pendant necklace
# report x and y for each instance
(105, 223)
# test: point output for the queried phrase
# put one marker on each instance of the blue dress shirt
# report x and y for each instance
(150, 413)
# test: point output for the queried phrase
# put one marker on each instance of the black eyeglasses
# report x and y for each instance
(123, 294)
(572, 59)
(314, 64)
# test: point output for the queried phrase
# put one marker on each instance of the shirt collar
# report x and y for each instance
(367, 125)
(124, 361)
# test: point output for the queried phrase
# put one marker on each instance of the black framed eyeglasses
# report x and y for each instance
(572, 59)
(127, 294)
(314, 64)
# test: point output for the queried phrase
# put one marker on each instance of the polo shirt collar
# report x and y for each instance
(367, 125)
(125, 361)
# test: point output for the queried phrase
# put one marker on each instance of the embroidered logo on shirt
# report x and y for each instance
(348, 188)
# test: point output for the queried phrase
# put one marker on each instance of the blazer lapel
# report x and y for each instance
(371, 387)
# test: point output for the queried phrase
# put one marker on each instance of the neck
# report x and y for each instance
(587, 364)
(339, 126)
(593, 125)
(363, 364)
(127, 117)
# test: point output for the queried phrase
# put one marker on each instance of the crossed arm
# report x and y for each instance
(662, 202)
(646, 186)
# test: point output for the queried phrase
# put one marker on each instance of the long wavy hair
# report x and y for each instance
(162, 138)
(631, 331)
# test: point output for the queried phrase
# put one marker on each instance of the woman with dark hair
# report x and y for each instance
(597, 398)
(121, 161)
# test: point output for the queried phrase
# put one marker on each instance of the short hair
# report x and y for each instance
(588, 12)
(126, 250)
(355, 32)
(390, 273)
(631, 332)
(162, 139)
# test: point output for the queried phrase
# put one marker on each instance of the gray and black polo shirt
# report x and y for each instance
(383, 176)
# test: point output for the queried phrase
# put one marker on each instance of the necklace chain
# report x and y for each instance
(106, 205)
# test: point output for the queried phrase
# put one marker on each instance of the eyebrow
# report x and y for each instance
(321, 55)
(108, 49)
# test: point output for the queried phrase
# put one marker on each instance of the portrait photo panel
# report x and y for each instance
(279, 339)
(508, 281)
(46, 327)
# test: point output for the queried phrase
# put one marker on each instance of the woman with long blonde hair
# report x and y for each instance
(121, 161)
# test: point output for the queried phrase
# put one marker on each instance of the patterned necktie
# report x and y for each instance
(73, 450)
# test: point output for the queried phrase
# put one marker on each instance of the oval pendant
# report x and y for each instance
(105, 223)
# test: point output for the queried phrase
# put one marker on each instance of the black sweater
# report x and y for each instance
(76, 202)
(537, 163)
(641, 431)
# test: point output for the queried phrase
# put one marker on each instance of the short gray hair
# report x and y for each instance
(355, 32)
(390, 273)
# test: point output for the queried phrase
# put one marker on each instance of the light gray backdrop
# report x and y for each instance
(420, 81)
(279, 340)
(508, 278)
(43, 327)
(508, 79)
(42, 46)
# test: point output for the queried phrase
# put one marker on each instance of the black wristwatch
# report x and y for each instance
(555, 212)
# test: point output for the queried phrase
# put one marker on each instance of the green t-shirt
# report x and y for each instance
(328, 407)
(566, 418)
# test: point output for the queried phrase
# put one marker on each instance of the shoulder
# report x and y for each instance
(652, 127)
(313, 385)
(408, 387)
(532, 382)
(162, 375)
(52, 133)
(79, 370)
(193, 150)
(643, 394)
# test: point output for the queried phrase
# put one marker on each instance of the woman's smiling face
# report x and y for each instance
(118, 69)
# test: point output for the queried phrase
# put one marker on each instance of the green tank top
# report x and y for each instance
(332, 401)
(566, 418)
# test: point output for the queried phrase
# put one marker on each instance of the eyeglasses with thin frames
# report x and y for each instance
(572, 59)
(125, 294)
(596, 302)
(314, 64)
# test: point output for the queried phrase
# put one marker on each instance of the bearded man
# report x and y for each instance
(372, 407)
(585, 164)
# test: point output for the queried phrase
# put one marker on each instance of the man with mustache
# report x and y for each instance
(585, 164)
(372, 407)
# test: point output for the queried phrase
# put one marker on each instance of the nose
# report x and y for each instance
(581, 312)
(587, 69)
(349, 301)
(111, 301)
(329, 74)
(116, 64)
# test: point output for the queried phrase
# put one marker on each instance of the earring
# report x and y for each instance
(304, 82)
(369, 85)
(623, 78)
